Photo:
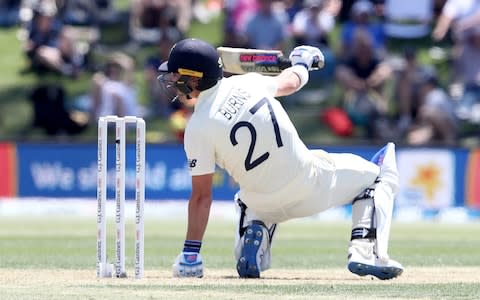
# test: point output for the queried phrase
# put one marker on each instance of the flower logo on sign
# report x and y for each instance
(427, 179)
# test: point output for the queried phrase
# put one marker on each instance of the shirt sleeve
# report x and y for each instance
(199, 150)
(269, 83)
(451, 9)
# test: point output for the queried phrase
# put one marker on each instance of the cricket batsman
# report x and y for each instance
(240, 126)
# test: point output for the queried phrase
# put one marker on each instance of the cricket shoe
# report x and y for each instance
(255, 243)
(363, 261)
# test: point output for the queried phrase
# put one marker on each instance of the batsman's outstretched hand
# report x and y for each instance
(308, 56)
(188, 264)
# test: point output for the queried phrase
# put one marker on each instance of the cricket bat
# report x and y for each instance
(266, 62)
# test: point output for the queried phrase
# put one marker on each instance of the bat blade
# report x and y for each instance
(266, 62)
(242, 60)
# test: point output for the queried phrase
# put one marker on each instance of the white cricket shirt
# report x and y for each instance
(241, 127)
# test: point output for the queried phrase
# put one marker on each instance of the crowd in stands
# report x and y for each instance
(382, 92)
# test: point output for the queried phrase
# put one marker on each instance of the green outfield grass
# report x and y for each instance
(54, 258)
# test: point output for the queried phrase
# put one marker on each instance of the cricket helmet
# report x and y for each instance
(194, 58)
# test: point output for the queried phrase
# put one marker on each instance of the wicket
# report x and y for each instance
(104, 269)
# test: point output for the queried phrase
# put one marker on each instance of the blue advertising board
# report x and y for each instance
(70, 170)
(434, 178)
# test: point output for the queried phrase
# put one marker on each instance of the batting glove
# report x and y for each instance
(188, 264)
(307, 56)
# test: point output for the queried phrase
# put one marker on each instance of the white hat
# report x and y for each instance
(362, 6)
(47, 8)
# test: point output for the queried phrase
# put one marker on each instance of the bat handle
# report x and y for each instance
(286, 63)
(317, 64)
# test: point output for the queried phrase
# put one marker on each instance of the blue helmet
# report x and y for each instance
(195, 58)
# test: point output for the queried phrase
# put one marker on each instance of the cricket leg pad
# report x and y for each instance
(385, 192)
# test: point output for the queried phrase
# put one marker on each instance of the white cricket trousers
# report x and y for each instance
(333, 179)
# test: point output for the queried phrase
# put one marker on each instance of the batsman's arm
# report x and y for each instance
(289, 80)
(189, 262)
(199, 206)
(303, 59)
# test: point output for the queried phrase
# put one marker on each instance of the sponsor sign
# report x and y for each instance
(55, 170)
(426, 178)
(429, 178)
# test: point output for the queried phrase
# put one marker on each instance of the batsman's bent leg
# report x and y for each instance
(371, 220)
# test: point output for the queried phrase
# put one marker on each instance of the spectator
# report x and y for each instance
(437, 7)
(145, 13)
(237, 13)
(267, 28)
(346, 9)
(379, 7)
(463, 14)
(113, 90)
(205, 11)
(312, 25)
(48, 47)
(314, 22)
(408, 19)
(407, 87)
(363, 76)
(168, 29)
(292, 7)
(435, 122)
(151, 20)
(85, 12)
(50, 112)
(184, 14)
(462, 18)
(79, 12)
(362, 16)
(467, 74)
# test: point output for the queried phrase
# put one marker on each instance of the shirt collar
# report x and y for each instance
(204, 95)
